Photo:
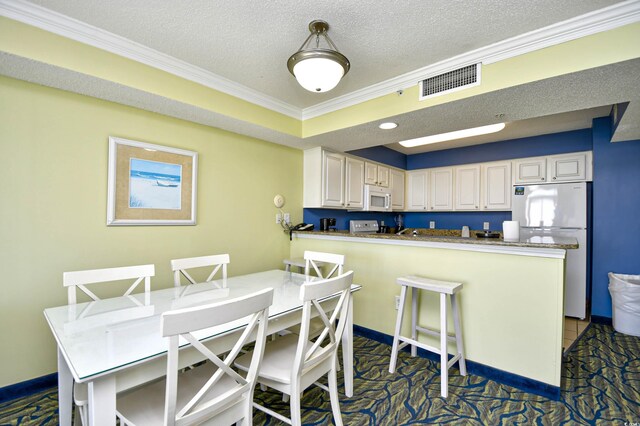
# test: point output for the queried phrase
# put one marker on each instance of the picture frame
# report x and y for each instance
(150, 184)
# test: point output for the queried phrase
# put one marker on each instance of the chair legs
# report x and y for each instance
(333, 393)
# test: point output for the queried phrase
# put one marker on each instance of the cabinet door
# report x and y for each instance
(383, 176)
(441, 189)
(496, 186)
(531, 170)
(396, 184)
(467, 194)
(332, 180)
(567, 167)
(417, 190)
(354, 183)
(371, 173)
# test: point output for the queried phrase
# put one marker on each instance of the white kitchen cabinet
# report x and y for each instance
(417, 190)
(530, 170)
(441, 189)
(333, 177)
(467, 193)
(324, 178)
(354, 183)
(376, 174)
(569, 167)
(496, 186)
(396, 184)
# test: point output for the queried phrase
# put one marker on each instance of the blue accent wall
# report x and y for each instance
(343, 217)
(554, 143)
(616, 204)
(383, 155)
(455, 220)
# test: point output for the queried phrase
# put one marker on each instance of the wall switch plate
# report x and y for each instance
(382, 223)
(485, 226)
(432, 224)
(287, 218)
(397, 302)
(278, 218)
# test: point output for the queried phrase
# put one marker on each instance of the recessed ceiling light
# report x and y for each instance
(388, 125)
(458, 134)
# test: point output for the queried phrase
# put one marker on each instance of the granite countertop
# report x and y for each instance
(455, 236)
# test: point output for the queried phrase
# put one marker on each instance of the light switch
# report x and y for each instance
(485, 226)
(432, 224)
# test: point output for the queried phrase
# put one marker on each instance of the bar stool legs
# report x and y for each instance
(444, 288)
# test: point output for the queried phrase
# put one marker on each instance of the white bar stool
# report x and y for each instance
(444, 288)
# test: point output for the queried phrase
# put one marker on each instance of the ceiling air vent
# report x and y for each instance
(450, 81)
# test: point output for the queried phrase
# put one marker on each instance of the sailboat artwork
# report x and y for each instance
(154, 185)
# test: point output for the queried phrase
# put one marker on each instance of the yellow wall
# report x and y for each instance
(511, 306)
(53, 186)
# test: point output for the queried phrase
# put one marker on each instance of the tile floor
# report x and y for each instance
(573, 328)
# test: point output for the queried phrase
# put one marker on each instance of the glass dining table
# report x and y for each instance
(115, 344)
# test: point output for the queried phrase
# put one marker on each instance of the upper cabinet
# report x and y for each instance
(569, 167)
(467, 193)
(396, 184)
(354, 183)
(496, 186)
(324, 178)
(441, 189)
(530, 170)
(417, 190)
(572, 167)
(376, 174)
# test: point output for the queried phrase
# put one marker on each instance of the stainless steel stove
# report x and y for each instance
(363, 226)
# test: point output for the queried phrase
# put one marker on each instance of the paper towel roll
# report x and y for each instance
(511, 230)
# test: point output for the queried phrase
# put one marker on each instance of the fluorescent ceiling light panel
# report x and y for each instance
(458, 134)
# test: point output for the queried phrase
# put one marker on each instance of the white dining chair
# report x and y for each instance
(180, 267)
(292, 363)
(78, 280)
(212, 393)
(315, 259)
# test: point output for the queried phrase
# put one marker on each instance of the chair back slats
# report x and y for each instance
(79, 279)
(335, 260)
(326, 344)
(181, 323)
(180, 267)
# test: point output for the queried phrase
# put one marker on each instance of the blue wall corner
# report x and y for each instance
(382, 154)
(616, 203)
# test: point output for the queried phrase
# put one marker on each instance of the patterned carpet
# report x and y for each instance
(601, 385)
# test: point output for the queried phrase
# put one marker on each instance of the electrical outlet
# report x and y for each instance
(287, 218)
(278, 219)
(382, 221)
(397, 302)
(485, 226)
(432, 224)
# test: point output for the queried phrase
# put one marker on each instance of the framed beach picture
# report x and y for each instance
(150, 184)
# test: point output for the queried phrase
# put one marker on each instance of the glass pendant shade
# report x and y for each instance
(318, 69)
(318, 74)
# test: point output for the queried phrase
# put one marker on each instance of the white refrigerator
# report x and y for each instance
(558, 210)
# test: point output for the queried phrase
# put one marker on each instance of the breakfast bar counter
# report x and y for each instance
(511, 301)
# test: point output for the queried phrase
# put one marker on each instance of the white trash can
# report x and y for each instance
(625, 295)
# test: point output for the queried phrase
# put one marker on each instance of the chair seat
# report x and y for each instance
(277, 361)
(439, 286)
(145, 405)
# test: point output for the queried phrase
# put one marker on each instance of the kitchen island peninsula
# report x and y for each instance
(511, 303)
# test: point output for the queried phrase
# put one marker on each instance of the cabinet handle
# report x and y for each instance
(431, 208)
(542, 178)
(476, 207)
(554, 178)
(348, 204)
(485, 207)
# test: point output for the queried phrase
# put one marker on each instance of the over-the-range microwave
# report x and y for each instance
(377, 199)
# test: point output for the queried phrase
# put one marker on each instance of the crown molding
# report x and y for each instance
(608, 18)
(68, 27)
(605, 19)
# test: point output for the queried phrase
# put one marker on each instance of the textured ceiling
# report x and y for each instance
(249, 42)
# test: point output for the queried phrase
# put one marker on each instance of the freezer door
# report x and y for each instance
(559, 205)
(575, 294)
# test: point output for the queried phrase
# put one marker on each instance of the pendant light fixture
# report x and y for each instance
(317, 65)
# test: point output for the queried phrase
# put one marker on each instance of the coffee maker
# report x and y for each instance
(328, 224)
